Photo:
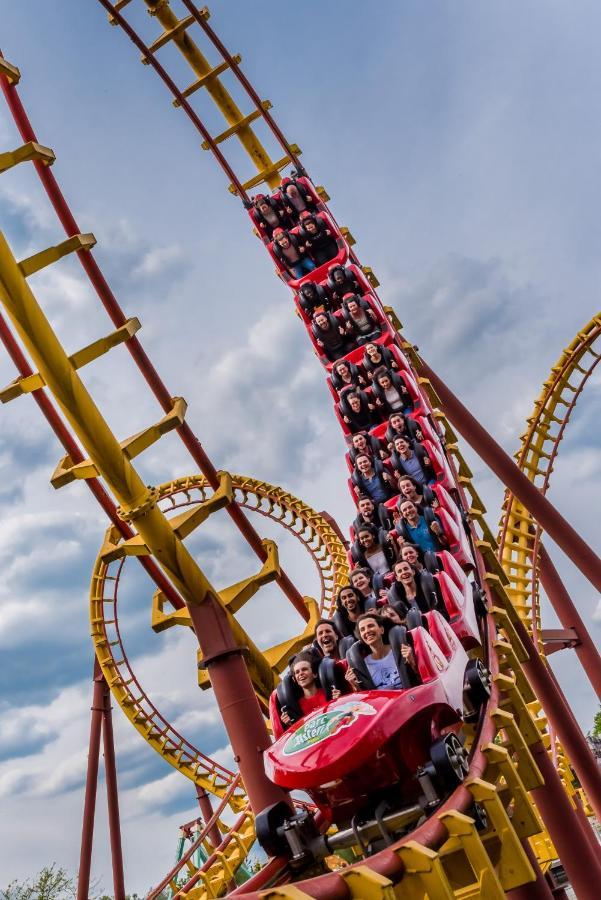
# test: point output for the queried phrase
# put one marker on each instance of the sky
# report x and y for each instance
(459, 141)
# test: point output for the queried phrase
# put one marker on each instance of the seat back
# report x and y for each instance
(331, 676)
(287, 694)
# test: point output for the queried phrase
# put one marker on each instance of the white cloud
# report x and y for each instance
(157, 261)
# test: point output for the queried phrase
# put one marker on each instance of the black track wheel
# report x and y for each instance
(479, 599)
(477, 682)
(449, 759)
(268, 825)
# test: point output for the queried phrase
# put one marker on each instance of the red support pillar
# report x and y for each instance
(505, 468)
(569, 617)
(89, 808)
(562, 720)
(582, 865)
(534, 890)
(112, 795)
(588, 829)
(206, 808)
(237, 702)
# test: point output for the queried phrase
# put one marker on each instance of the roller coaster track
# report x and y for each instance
(447, 855)
(305, 524)
(519, 534)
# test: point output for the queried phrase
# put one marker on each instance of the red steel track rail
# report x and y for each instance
(139, 355)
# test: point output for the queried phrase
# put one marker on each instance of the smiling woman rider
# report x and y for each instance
(304, 673)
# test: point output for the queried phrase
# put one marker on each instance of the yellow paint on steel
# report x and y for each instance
(306, 524)
(137, 500)
(519, 533)
(214, 877)
(214, 87)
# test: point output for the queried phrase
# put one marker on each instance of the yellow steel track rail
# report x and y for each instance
(471, 862)
(519, 534)
(184, 33)
(306, 524)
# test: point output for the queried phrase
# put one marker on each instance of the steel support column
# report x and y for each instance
(562, 720)
(569, 617)
(89, 807)
(206, 809)
(112, 794)
(220, 636)
(512, 477)
(533, 890)
(582, 865)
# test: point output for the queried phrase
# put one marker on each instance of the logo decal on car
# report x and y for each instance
(324, 725)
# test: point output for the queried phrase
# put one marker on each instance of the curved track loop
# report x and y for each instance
(519, 534)
(446, 855)
(500, 774)
(307, 526)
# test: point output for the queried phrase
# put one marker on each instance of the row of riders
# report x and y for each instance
(409, 523)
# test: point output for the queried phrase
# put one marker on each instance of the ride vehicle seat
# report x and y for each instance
(298, 195)
(319, 236)
(427, 598)
(288, 695)
(311, 296)
(325, 329)
(355, 375)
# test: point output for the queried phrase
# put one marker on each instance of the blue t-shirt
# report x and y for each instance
(374, 488)
(421, 535)
(384, 672)
(413, 468)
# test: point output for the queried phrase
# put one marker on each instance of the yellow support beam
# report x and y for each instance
(242, 123)
(9, 71)
(205, 79)
(216, 90)
(26, 153)
(463, 829)
(138, 501)
(132, 446)
(514, 868)
(81, 358)
(53, 254)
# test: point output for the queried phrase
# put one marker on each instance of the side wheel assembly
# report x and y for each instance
(476, 689)
(449, 761)
(479, 599)
(281, 832)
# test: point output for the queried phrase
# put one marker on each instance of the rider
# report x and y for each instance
(372, 631)
(304, 673)
(292, 253)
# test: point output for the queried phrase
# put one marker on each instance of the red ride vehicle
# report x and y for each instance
(374, 755)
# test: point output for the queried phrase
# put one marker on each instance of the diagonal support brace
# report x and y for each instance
(132, 446)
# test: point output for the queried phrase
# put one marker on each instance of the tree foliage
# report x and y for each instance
(51, 883)
(596, 732)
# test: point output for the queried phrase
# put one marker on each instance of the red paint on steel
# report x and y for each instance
(241, 77)
(504, 467)
(535, 890)
(89, 807)
(206, 808)
(569, 617)
(112, 794)
(117, 316)
(591, 834)
(237, 701)
(72, 448)
(207, 826)
(562, 720)
(582, 864)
